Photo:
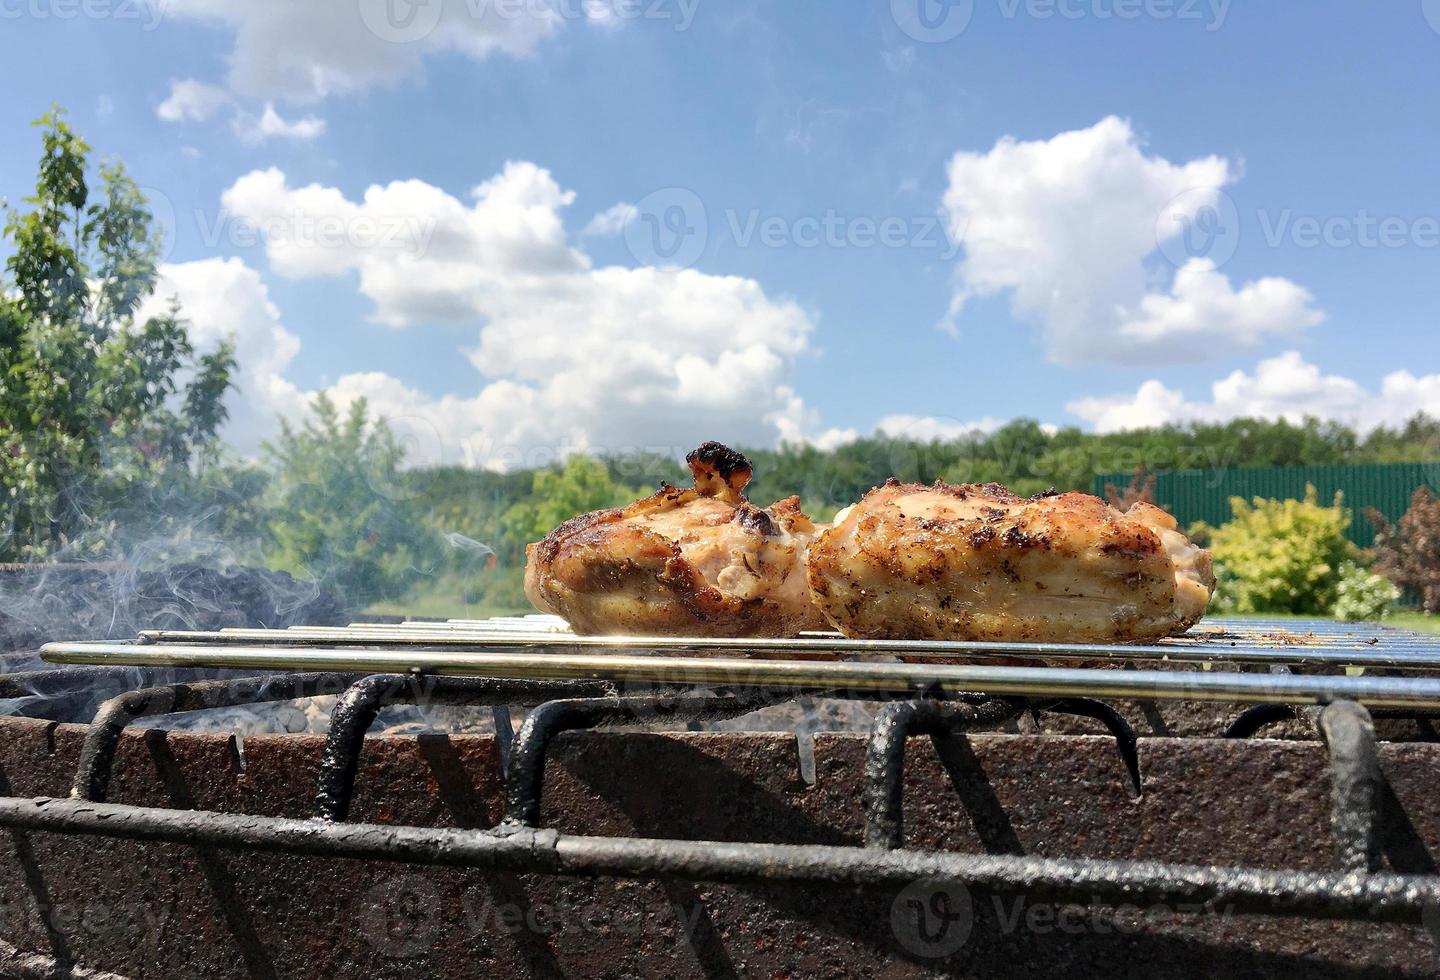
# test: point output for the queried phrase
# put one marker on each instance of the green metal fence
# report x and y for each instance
(1204, 495)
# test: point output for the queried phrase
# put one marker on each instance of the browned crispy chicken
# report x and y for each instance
(703, 561)
(978, 563)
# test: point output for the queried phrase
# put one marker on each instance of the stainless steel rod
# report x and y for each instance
(1395, 692)
(1198, 652)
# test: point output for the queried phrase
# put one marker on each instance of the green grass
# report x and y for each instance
(1406, 619)
(1414, 621)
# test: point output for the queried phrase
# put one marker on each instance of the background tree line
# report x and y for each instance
(109, 443)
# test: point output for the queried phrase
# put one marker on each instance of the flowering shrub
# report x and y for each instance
(1361, 594)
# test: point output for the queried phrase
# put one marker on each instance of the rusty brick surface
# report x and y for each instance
(168, 910)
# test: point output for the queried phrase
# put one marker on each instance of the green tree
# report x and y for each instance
(95, 406)
(339, 508)
(560, 494)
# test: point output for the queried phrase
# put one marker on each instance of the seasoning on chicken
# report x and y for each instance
(702, 561)
(978, 563)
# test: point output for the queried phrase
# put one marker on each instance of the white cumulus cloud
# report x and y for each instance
(611, 221)
(570, 357)
(1286, 386)
(192, 101)
(930, 428)
(1067, 227)
(269, 124)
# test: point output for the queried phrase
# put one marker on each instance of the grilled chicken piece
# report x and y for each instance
(702, 561)
(978, 563)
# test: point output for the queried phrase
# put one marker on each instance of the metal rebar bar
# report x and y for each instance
(92, 775)
(885, 755)
(1355, 774)
(362, 701)
(524, 780)
(1380, 897)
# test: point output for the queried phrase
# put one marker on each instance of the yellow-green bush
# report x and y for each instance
(1281, 555)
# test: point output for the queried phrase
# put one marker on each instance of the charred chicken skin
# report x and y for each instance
(701, 561)
(976, 562)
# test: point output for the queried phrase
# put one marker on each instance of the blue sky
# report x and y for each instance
(1018, 278)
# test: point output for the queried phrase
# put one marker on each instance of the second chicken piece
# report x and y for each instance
(977, 562)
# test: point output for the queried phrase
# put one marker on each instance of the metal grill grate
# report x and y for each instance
(1245, 661)
(533, 661)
